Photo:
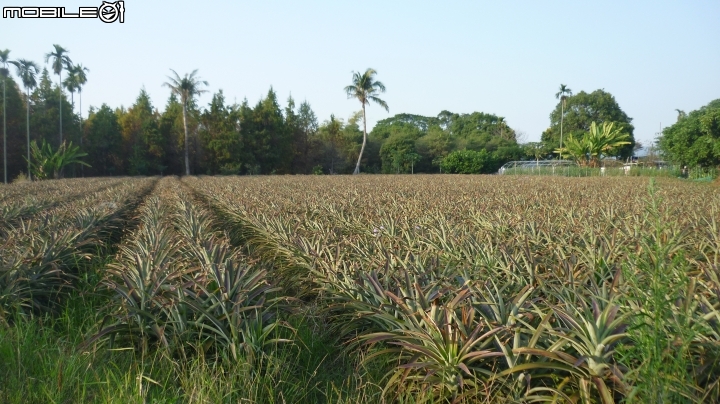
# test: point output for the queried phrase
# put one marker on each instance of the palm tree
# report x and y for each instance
(4, 74)
(186, 88)
(79, 72)
(60, 61)
(27, 71)
(81, 77)
(365, 89)
(71, 84)
(563, 94)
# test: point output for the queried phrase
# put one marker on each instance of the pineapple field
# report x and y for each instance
(362, 289)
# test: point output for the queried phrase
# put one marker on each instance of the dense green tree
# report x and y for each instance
(250, 143)
(477, 131)
(171, 135)
(266, 137)
(60, 61)
(365, 88)
(330, 136)
(220, 138)
(433, 147)
(305, 129)
(399, 144)
(423, 123)
(476, 124)
(186, 88)
(505, 153)
(694, 140)
(581, 110)
(537, 150)
(468, 162)
(271, 120)
(104, 142)
(336, 144)
(300, 126)
(436, 137)
(141, 137)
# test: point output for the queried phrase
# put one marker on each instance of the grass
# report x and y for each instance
(40, 363)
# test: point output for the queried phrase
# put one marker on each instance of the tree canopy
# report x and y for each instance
(580, 111)
(694, 140)
(417, 143)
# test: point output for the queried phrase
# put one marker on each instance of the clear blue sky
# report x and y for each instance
(501, 57)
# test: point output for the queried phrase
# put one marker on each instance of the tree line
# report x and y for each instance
(269, 138)
(225, 138)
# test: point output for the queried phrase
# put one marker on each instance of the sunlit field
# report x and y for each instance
(362, 289)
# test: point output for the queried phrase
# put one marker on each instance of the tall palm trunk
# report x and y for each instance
(60, 99)
(187, 153)
(362, 149)
(27, 103)
(82, 133)
(4, 133)
(562, 117)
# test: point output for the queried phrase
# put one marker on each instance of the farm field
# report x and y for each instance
(363, 289)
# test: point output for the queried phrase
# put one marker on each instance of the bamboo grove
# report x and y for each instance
(436, 288)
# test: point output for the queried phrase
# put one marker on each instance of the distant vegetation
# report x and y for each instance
(694, 140)
(267, 138)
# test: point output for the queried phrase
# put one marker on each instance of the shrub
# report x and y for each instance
(468, 162)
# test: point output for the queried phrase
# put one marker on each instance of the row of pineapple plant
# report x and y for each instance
(26, 188)
(41, 255)
(35, 198)
(521, 289)
(178, 283)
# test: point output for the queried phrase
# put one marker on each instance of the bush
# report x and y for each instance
(468, 162)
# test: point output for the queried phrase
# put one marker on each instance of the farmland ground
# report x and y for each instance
(360, 290)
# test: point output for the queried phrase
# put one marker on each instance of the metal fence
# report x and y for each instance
(571, 169)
